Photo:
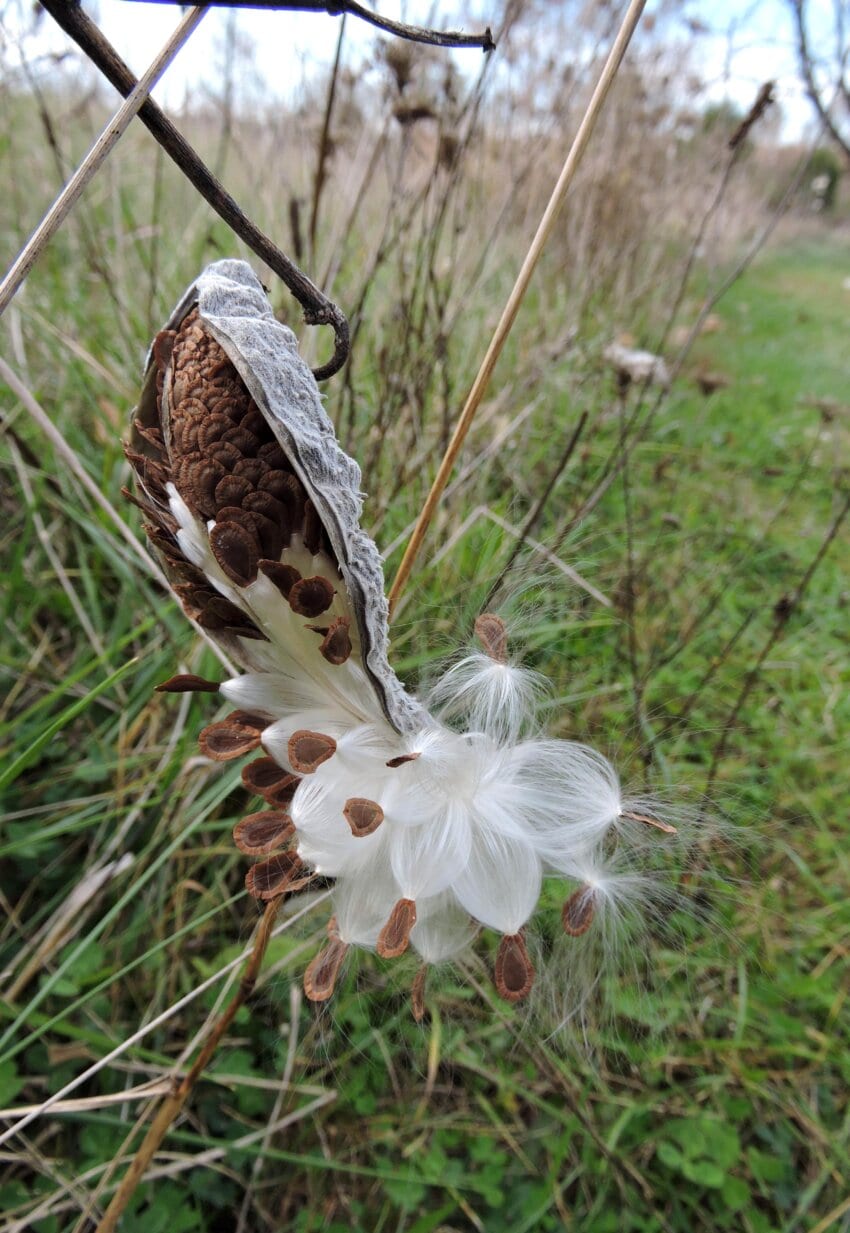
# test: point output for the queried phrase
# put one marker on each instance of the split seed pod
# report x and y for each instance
(434, 821)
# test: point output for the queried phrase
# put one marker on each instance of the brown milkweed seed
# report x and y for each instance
(492, 633)
(224, 741)
(656, 822)
(251, 469)
(402, 758)
(262, 774)
(362, 815)
(514, 970)
(336, 646)
(280, 873)
(322, 971)
(395, 935)
(188, 683)
(235, 551)
(262, 832)
(311, 596)
(417, 993)
(231, 491)
(308, 750)
(283, 576)
(312, 528)
(577, 912)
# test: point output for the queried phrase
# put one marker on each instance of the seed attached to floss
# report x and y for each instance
(264, 777)
(308, 750)
(492, 633)
(394, 937)
(514, 970)
(336, 642)
(273, 877)
(577, 913)
(259, 833)
(236, 552)
(322, 971)
(284, 577)
(362, 815)
(417, 993)
(402, 758)
(310, 597)
(640, 817)
(224, 741)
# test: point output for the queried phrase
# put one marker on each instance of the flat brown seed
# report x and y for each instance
(251, 469)
(244, 440)
(269, 536)
(492, 633)
(283, 576)
(267, 505)
(394, 937)
(213, 426)
(514, 970)
(322, 971)
(270, 878)
(336, 646)
(311, 596)
(272, 453)
(225, 453)
(188, 683)
(231, 491)
(577, 912)
(224, 741)
(362, 815)
(417, 994)
(248, 719)
(264, 773)
(163, 345)
(278, 484)
(308, 750)
(647, 821)
(312, 531)
(259, 833)
(204, 475)
(235, 551)
(184, 435)
(402, 758)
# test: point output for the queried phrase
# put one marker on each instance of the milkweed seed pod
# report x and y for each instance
(433, 821)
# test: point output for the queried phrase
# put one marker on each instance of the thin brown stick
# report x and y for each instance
(509, 313)
(318, 309)
(95, 159)
(171, 1105)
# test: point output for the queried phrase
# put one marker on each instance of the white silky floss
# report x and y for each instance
(435, 820)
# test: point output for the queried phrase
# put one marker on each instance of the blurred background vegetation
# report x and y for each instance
(684, 585)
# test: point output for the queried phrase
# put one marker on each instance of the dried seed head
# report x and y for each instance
(514, 970)
(492, 633)
(262, 832)
(577, 913)
(308, 750)
(394, 937)
(322, 971)
(362, 815)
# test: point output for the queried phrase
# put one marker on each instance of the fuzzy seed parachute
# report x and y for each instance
(433, 819)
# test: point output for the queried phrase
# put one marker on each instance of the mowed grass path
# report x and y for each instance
(734, 1117)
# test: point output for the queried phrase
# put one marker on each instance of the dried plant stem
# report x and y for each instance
(503, 329)
(94, 160)
(171, 1106)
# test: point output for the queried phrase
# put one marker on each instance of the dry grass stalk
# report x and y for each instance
(509, 313)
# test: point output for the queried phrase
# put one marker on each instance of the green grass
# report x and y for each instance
(714, 1093)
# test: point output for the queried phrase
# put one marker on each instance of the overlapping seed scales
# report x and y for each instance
(265, 778)
(236, 552)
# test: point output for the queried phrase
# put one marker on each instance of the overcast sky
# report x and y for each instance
(744, 45)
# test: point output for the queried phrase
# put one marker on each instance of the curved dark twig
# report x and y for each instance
(318, 309)
(334, 8)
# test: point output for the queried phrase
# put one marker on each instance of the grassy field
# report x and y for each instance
(712, 1095)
